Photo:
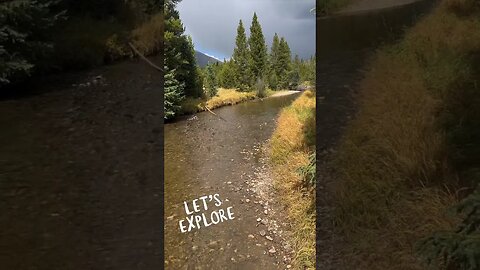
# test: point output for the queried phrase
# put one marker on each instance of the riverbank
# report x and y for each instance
(337, 7)
(224, 97)
(411, 147)
(291, 149)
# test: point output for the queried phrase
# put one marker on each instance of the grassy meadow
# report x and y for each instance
(409, 153)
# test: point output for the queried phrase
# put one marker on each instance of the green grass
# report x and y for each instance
(403, 157)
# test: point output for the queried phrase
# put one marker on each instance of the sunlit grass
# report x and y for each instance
(224, 97)
(291, 144)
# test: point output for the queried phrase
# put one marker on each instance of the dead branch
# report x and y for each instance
(144, 58)
(215, 114)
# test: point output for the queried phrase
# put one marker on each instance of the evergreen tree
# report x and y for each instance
(258, 49)
(173, 93)
(284, 64)
(227, 74)
(240, 58)
(25, 37)
(274, 53)
(273, 81)
(210, 81)
(179, 51)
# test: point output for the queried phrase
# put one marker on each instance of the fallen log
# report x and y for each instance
(144, 58)
(210, 111)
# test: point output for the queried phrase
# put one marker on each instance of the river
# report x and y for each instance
(206, 155)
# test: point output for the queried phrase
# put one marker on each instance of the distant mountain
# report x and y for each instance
(203, 59)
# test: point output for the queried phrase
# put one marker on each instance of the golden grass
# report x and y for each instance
(396, 179)
(224, 97)
(290, 147)
(148, 37)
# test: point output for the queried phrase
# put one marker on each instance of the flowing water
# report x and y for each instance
(206, 155)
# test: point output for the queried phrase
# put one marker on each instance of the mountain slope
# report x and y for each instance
(203, 59)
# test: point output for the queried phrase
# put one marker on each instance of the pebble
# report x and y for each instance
(259, 219)
(289, 266)
(262, 233)
(265, 212)
(213, 244)
(194, 248)
(247, 200)
(269, 238)
(272, 250)
(251, 236)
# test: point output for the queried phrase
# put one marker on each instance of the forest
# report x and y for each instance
(46, 36)
(252, 68)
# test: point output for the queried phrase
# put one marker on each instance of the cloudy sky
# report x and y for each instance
(213, 23)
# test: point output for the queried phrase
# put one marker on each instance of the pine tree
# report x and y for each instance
(240, 58)
(284, 64)
(25, 37)
(210, 81)
(173, 93)
(179, 51)
(258, 49)
(274, 53)
(227, 75)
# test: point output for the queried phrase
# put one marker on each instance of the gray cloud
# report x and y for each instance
(213, 23)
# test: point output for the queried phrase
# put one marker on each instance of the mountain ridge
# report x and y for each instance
(203, 59)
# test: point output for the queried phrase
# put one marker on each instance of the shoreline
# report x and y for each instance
(200, 107)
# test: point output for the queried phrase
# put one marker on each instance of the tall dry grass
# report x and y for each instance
(291, 144)
(224, 97)
(397, 182)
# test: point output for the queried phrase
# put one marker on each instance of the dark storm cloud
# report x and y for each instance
(213, 23)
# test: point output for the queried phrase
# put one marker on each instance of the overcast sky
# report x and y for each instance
(213, 23)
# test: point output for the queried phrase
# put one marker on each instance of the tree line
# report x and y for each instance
(251, 68)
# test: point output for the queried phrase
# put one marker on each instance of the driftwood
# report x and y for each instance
(144, 58)
(210, 111)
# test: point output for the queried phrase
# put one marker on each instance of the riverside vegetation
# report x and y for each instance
(44, 36)
(292, 154)
(408, 165)
(251, 72)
